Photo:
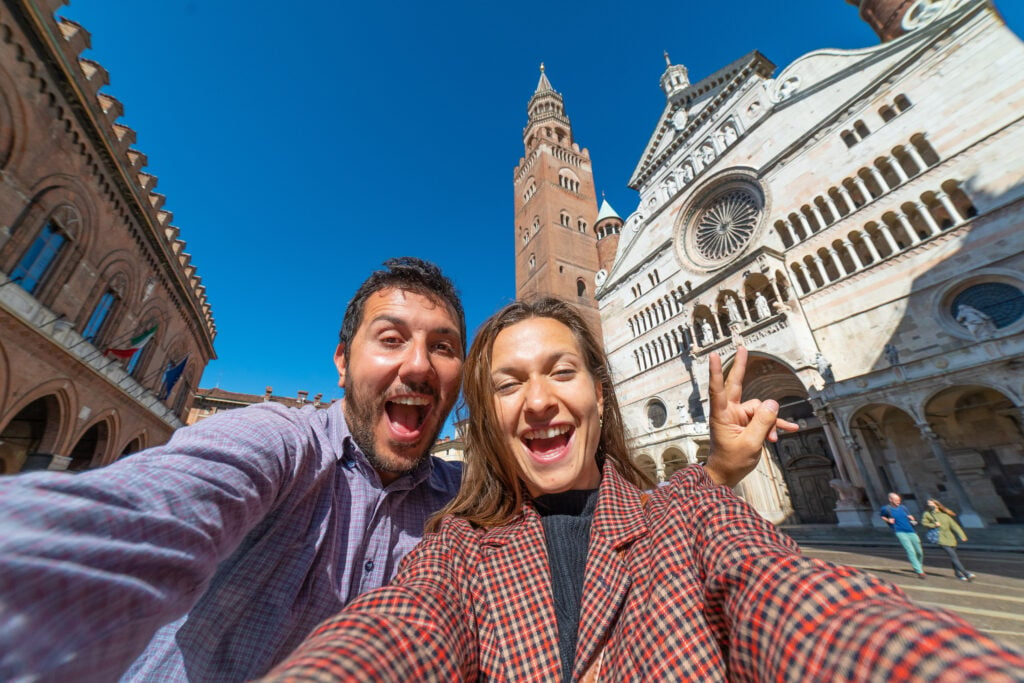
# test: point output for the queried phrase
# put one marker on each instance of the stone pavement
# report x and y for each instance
(1001, 537)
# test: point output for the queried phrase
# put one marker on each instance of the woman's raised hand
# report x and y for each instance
(738, 428)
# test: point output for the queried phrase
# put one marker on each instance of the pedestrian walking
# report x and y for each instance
(939, 518)
(902, 523)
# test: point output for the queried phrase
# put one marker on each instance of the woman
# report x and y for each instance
(940, 517)
(552, 564)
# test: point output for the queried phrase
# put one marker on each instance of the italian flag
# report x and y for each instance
(134, 345)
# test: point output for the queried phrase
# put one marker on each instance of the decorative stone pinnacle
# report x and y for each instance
(668, 62)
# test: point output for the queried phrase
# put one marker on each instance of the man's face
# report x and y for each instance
(894, 499)
(401, 378)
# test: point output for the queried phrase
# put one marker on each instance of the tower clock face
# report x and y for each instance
(600, 276)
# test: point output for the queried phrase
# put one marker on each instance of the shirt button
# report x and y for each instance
(368, 566)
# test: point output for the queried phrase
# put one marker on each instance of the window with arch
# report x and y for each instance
(581, 287)
(564, 219)
(1000, 303)
(533, 261)
(100, 315)
(39, 258)
(581, 225)
(657, 414)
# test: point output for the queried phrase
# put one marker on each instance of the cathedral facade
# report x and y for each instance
(855, 221)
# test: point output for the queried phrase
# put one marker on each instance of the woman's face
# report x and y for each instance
(548, 405)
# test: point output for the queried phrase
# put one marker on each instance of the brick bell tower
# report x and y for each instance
(555, 209)
(884, 16)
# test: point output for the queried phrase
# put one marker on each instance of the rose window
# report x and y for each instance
(725, 227)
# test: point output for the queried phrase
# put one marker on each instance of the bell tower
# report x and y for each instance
(884, 16)
(555, 209)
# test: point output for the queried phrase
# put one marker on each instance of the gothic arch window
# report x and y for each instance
(581, 287)
(581, 225)
(99, 315)
(564, 218)
(536, 224)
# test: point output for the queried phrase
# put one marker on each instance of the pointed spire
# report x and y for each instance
(668, 62)
(606, 211)
(543, 85)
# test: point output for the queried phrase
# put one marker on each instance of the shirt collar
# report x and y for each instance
(351, 457)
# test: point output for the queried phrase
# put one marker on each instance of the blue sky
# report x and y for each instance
(298, 148)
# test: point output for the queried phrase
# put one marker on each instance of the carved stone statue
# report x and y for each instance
(761, 306)
(977, 323)
(687, 172)
(707, 334)
(892, 354)
(733, 309)
(730, 134)
(824, 368)
(707, 154)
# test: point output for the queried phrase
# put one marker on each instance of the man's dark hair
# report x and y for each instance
(410, 274)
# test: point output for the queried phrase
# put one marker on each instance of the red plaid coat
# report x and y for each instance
(693, 587)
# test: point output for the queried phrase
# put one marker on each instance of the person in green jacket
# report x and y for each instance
(940, 517)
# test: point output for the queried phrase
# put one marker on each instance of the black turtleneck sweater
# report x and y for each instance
(566, 519)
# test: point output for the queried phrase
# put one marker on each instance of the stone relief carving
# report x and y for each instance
(707, 334)
(788, 88)
(892, 354)
(977, 323)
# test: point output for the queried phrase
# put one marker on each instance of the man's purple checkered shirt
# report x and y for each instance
(259, 523)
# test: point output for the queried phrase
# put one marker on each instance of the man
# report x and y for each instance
(242, 533)
(247, 529)
(902, 523)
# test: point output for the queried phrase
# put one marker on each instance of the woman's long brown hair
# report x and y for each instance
(492, 492)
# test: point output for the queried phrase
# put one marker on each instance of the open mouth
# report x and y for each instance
(548, 443)
(407, 414)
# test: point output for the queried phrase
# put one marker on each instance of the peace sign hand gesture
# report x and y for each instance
(738, 428)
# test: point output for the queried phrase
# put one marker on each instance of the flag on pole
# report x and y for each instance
(134, 345)
(171, 376)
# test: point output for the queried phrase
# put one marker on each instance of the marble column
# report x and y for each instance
(948, 203)
(848, 198)
(968, 516)
(926, 214)
(818, 217)
(838, 261)
(879, 178)
(909, 228)
(898, 169)
(917, 158)
(862, 186)
(870, 244)
(832, 207)
(854, 256)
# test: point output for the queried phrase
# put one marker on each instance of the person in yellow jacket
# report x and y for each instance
(940, 517)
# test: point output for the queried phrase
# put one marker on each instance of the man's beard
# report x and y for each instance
(362, 416)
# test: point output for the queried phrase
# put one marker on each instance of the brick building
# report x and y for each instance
(555, 208)
(89, 262)
(207, 402)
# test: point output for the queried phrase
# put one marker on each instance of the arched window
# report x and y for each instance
(99, 315)
(533, 261)
(564, 219)
(581, 287)
(38, 259)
